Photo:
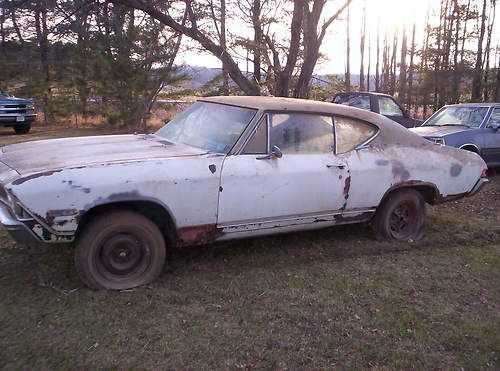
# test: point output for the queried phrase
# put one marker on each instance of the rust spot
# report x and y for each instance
(221, 189)
(455, 170)
(399, 171)
(382, 162)
(345, 219)
(52, 214)
(347, 186)
(197, 235)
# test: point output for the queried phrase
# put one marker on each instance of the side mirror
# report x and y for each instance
(494, 125)
(275, 153)
(406, 113)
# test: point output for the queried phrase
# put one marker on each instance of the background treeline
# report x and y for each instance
(115, 58)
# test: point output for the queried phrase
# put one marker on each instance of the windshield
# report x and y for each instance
(209, 126)
(460, 116)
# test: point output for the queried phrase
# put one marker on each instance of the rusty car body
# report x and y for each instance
(227, 168)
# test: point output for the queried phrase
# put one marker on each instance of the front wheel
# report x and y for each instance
(22, 129)
(401, 217)
(120, 250)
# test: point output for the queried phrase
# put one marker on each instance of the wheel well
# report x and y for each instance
(428, 191)
(470, 147)
(155, 212)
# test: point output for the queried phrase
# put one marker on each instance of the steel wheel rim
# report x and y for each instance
(123, 256)
(402, 220)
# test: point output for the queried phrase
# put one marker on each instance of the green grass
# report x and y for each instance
(333, 298)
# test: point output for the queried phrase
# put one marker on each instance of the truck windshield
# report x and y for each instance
(460, 116)
(210, 126)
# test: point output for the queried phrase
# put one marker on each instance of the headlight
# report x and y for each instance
(20, 212)
(437, 140)
(30, 107)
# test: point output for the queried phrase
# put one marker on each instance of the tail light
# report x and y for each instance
(484, 173)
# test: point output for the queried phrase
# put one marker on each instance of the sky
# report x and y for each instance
(386, 14)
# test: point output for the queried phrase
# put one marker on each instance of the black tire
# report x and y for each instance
(120, 250)
(22, 129)
(401, 217)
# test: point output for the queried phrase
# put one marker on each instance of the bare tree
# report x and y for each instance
(377, 67)
(409, 97)
(402, 69)
(348, 54)
(362, 51)
(476, 81)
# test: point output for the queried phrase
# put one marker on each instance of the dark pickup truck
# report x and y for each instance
(16, 112)
(379, 103)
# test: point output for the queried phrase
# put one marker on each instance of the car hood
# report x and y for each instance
(438, 131)
(13, 100)
(55, 154)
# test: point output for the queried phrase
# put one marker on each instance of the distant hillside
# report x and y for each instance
(199, 76)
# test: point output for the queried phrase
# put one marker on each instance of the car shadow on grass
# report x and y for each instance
(52, 266)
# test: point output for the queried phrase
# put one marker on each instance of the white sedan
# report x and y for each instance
(226, 168)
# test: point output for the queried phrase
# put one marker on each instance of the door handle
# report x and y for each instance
(339, 166)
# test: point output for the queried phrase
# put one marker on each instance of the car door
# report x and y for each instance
(491, 139)
(261, 191)
(389, 108)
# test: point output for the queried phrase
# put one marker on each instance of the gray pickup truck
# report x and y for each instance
(16, 112)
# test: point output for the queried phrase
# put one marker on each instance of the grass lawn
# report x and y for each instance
(333, 298)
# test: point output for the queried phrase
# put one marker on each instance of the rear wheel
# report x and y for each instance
(120, 250)
(22, 129)
(401, 217)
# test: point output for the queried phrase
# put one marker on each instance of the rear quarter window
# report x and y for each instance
(350, 133)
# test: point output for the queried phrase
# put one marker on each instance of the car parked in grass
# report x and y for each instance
(379, 103)
(16, 113)
(226, 168)
(470, 126)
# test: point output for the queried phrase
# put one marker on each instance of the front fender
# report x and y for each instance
(187, 189)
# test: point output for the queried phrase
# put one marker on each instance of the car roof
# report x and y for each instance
(474, 105)
(292, 104)
(364, 93)
(389, 128)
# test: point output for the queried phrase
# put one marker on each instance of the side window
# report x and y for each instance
(494, 118)
(388, 107)
(297, 133)
(257, 144)
(350, 133)
(359, 101)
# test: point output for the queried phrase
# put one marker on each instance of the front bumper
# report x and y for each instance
(10, 119)
(17, 229)
(478, 186)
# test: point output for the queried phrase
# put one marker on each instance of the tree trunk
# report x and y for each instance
(225, 75)
(369, 64)
(392, 88)
(257, 47)
(348, 54)
(402, 69)
(362, 52)
(486, 64)
(42, 34)
(455, 93)
(497, 85)
(312, 42)
(377, 67)
(476, 81)
(409, 93)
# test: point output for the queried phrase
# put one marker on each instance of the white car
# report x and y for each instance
(226, 168)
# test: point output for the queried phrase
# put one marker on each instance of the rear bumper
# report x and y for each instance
(17, 229)
(478, 186)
